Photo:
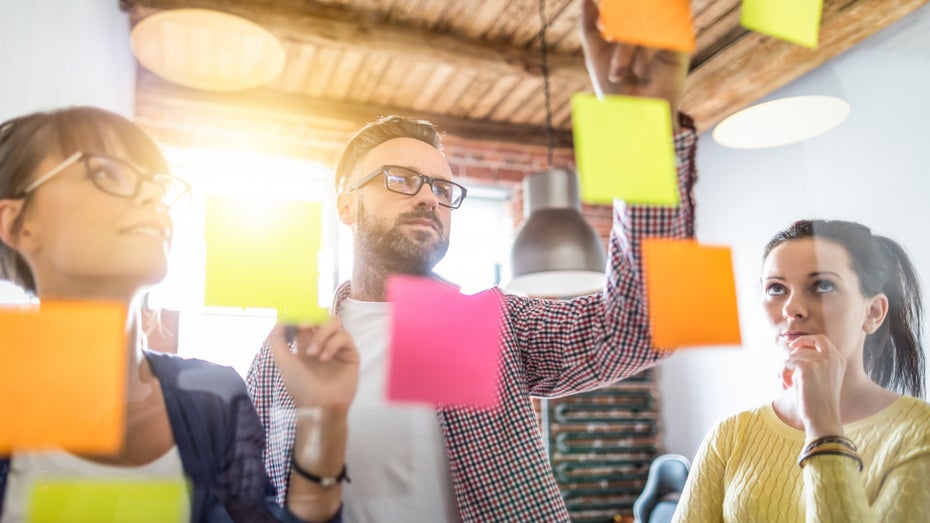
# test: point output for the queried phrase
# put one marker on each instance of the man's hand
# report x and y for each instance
(629, 69)
(323, 370)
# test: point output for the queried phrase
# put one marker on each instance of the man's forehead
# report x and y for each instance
(408, 152)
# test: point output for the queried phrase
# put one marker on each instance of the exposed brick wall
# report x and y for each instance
(508, 164)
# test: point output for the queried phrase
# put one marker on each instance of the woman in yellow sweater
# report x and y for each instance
(848, 440)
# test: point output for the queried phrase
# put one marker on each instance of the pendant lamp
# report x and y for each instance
(556, 253)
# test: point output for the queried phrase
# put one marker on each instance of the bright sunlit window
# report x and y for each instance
(481, 234)
(232, 336)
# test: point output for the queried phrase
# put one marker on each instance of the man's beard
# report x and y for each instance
(390, 247)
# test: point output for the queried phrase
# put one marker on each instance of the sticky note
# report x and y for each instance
(90, 501)
(444, 346)
(796, 21)
(691, 294)
(264, 254)
(63, 377)
(665, 24)
(624, 149)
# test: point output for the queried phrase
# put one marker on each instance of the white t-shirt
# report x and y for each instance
(396, 454)
(26, 468)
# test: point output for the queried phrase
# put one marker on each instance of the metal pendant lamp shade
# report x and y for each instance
(556, 253)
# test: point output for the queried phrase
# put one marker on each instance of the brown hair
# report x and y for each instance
(26, 141)
(378, 131)
(894, 356)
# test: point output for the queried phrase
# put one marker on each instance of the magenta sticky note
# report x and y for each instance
(445, 346)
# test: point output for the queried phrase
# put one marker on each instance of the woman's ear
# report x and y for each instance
(346, 204)
(876, 313)
(9, 212)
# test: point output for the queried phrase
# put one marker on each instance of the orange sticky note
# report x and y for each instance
(63, 377)
(665, 24)
(691, 294)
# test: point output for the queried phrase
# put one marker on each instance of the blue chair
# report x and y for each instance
(666, 481)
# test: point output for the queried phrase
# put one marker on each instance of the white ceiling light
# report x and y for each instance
(207, 49)
(781, 122)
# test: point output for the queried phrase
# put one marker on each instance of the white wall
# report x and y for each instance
(56, 53)
(874, 169)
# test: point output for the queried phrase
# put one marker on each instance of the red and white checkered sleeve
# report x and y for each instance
(575, 345)
(275, 411)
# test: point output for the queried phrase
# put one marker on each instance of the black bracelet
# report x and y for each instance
(324, 482)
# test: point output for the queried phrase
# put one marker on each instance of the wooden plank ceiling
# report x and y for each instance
(473, 65)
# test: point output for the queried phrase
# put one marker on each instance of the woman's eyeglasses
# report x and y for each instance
(117, 177)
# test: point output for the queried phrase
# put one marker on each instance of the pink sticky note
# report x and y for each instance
(445, 346)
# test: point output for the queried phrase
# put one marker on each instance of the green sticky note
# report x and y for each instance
(624, 149)
(114, 502)
(796, 21)
(264, 254)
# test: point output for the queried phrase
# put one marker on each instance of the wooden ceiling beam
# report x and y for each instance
(327, 25)
(756, 65)
(158, 100)
(749, 67)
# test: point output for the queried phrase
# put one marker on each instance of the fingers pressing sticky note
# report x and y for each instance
(265, 254)
(445, 347)
(691, 294)
(664, 24)
(92, 501)
(63, 382)
(624, 149)
(797, 21)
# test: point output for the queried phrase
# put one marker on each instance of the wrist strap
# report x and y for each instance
(324, 482)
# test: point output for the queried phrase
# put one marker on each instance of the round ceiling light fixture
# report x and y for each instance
(207, 49)
(781, 122)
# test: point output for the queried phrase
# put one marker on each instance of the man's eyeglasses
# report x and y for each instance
(117, 177)
(403, 180)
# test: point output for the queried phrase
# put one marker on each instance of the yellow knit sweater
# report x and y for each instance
(747, 471)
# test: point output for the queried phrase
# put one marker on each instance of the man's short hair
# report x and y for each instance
(378, 131)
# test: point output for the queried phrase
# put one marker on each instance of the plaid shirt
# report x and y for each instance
(500, 470)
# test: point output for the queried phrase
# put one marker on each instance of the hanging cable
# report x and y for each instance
(545, 73)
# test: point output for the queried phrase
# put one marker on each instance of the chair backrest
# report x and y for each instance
(666, 480)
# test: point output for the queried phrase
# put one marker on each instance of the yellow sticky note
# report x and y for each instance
(624, 149)
(63, 377)
(89, 501)
(655, 23)
(690, 294)
(796, 21)
(264, 254)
